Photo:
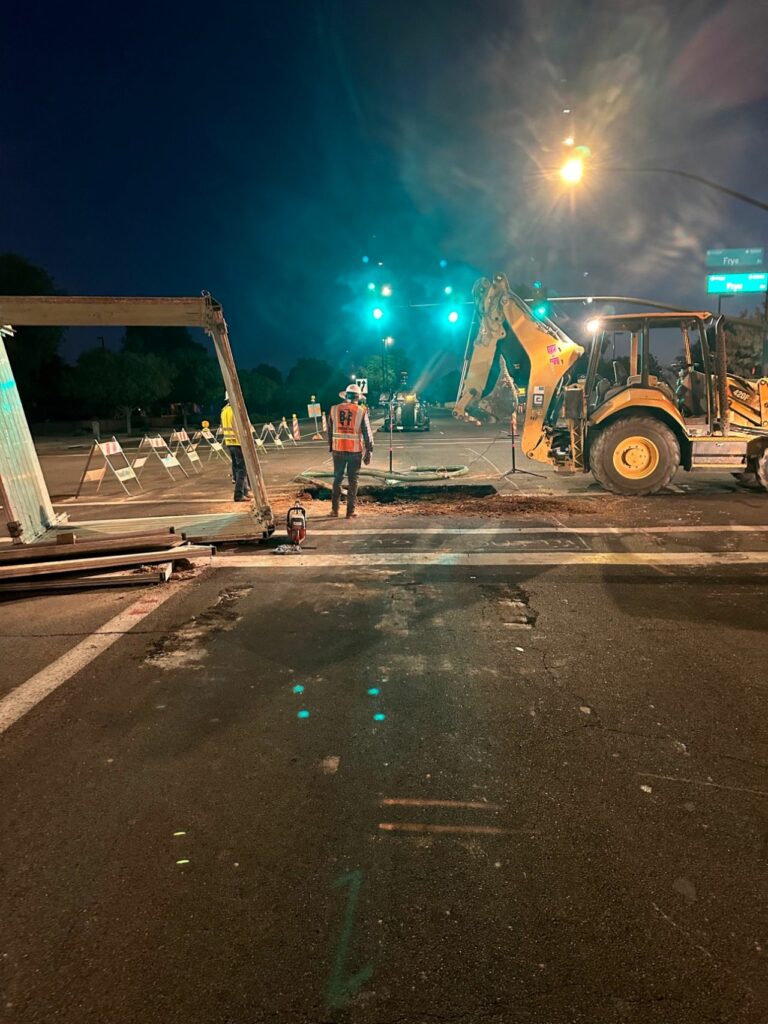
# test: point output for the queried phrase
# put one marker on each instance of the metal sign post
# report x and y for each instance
(391, 430)
(314, 411)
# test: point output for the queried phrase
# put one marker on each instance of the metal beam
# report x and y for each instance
(121, 311)
(106, 311)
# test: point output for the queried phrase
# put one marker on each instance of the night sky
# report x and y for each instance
(260, 151)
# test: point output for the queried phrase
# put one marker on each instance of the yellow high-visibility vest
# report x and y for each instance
(228, 426)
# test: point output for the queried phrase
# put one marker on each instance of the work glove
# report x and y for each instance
(367, 459)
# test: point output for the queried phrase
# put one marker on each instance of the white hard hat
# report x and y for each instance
(351, 389)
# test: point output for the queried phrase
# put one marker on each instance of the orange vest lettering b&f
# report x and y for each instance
(347, 425)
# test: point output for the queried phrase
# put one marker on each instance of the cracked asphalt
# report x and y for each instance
(412, 793)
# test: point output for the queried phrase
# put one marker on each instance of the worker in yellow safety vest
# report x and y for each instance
(351, 443)
(232, 444)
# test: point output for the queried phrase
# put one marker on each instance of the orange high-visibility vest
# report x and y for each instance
(347, 420)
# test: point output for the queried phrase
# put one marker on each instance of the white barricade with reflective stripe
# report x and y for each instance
(284, 431)
(206, 439)
(116, 461)
(180, 442)
(158, 447)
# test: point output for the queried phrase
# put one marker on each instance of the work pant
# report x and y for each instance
(349, 463)
(242, 486)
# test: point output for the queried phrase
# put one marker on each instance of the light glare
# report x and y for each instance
(572, 170)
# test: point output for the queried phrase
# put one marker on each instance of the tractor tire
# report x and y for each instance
(748, 479)
(761, 469)
(636, 455)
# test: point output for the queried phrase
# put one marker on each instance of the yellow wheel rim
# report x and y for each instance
(635, 457)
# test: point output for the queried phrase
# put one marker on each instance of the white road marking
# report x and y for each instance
(29, 694)
(702, 782)
(484, 457)
(462, 558)
(472, 830)
(469, 530)
(470, 805)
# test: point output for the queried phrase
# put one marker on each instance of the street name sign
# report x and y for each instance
(734, 284)
(735, 258)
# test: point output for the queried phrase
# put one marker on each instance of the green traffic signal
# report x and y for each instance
(542, 310)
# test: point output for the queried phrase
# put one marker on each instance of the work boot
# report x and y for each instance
(334, 513)
(352, 515)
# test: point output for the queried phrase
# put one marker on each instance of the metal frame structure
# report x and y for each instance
(19, 465)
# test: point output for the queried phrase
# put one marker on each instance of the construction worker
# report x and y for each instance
(350, 441)
(232, 444)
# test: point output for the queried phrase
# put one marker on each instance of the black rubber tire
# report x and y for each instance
(761, 468)
(604, 445)
(748, 479)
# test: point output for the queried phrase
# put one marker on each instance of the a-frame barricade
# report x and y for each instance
(180, 442)
(118, 464)
(158, 447)
(207, 440)
(269, 434)
(284, 431)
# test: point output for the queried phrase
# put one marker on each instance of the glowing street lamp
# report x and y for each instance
(377, 313)
(572, 170)
(448, 290)
(386, 290)
(453, 316)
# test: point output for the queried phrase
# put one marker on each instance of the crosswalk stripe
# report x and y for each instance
(463, 558)
(469, 531)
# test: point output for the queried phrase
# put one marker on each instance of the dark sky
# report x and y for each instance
(260, 150)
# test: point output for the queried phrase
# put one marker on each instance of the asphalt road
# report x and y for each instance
(407, 777)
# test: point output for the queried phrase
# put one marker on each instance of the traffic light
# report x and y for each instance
(540, 306)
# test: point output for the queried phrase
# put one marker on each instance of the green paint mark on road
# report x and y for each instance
(342, 987)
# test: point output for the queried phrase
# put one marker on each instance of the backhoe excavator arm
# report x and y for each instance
(550, 351)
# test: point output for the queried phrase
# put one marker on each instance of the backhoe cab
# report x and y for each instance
(650, 393)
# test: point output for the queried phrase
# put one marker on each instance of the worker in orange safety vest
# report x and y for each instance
(350, 441)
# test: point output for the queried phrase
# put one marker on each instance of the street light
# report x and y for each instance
(453, 316)
(572, 170)
(386, 290)
(377, 313)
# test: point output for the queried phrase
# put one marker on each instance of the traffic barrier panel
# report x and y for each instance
(284, 431)
(158, 446)
(116, 461)
(206, 439)
(180, 442)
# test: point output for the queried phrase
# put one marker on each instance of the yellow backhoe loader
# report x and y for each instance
(611, 407)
